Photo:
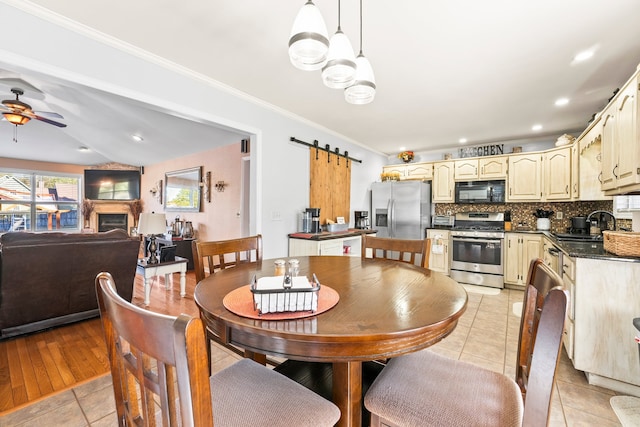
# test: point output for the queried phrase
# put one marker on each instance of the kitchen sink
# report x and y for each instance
(566, 237)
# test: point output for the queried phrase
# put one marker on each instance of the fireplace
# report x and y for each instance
(112, 221)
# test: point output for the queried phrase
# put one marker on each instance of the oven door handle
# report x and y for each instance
(473, 240)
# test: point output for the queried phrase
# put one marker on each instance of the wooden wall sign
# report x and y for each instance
(483, 150)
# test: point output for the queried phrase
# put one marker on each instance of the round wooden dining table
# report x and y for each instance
(385, 309)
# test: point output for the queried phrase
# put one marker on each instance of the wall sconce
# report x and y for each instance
(156, 191)
(220, 185)
(206, 187)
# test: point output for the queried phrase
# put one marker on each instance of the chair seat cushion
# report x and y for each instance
(241, 393)
(426, 389)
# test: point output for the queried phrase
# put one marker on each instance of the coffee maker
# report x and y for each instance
(315, 219)
(361, 219)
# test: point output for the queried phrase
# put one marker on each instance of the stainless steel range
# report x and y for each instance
(477, 256)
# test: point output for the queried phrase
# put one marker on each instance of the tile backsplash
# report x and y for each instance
(522, 213)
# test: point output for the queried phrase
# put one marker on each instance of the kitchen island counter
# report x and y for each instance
(326, 235)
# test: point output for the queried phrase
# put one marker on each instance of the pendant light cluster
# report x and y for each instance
(310, 49)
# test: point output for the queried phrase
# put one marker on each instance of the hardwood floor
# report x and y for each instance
(35, 366)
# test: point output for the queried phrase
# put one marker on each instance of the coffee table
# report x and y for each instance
(149, 271)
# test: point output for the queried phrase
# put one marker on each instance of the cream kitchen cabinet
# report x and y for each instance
(439, 251)
(557, 174)
(521, 248)
(621, 141)
(411, 170)
(330, 246)
(569, 283)
(524, 182)
(590, 163)
(483, 168)
(606, 300)
(419, 171)
(443, 182)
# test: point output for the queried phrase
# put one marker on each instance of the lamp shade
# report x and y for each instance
(340, 70)
(363, 89)
(309, 41)
(152, 223)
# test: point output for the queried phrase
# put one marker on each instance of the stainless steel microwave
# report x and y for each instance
(480, 192)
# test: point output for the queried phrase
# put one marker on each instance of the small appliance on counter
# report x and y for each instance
(361, 220)
(315, 220)
(443, 221)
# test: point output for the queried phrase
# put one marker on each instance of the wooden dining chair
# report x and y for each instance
(424, 388)
(160, 375)
(411, 251)
(212, 256)
(209, 257)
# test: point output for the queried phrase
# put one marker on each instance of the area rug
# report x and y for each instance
(627, 409)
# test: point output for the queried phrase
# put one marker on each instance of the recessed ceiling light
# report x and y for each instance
(560, 102)
(462, 140)
(536, 127)
(583, 56)
(402, 148)
(84, 149)
(137, 138)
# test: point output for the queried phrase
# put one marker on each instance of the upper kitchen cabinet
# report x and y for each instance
(524, 178)
(620, 141)
(419, 171)
(484, 168)
(443, 182)
(410, 170)
(590, 163)
(557, 174)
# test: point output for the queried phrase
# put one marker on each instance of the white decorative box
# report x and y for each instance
(276, 295)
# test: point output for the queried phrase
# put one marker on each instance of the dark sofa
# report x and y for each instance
(47, 279)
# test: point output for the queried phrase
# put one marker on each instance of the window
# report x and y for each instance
(32, 201)
(623, 206)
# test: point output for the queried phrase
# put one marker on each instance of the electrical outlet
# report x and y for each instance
(276, 216)
(559, 215)
(449, 213)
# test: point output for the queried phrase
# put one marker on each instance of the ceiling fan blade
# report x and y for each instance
(51, 122)
(50, 114)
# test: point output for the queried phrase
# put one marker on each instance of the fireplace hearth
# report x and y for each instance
(112, 221)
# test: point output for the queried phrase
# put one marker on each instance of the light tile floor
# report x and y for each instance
(486, 335)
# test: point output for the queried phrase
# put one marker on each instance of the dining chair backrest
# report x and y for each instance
(158, 363)
(540, 280)
(217, 255)
(412, 251)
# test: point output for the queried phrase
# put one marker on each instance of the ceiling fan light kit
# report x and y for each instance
(309, 41)
(18, 113)
(340, 69)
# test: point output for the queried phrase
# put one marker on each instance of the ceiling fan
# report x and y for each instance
(18, 113)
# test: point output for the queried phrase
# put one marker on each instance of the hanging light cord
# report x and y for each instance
(339, 29)
(360, 27)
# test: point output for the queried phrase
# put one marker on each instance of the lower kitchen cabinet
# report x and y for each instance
(606, 300)
(521, 248)
(333, 246)
(439, 251)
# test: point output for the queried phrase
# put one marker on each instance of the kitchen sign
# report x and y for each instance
(483, 150)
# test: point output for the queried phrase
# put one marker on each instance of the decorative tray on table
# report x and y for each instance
(285, 294)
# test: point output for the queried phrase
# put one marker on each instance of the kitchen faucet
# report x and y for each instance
(601, 214)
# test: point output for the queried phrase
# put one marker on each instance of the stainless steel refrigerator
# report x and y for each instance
(401, 209)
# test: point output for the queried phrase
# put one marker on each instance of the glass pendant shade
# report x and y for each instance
(340, 70)
(363, 89)
(16, 119)
(309, 41)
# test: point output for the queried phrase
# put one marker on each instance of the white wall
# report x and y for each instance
(280, 168)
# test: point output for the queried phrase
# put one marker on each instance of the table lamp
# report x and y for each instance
(151, 224)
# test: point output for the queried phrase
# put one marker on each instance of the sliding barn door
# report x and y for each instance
(330, 185)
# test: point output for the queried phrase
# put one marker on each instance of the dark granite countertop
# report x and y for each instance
(325, 235)
(583, 249)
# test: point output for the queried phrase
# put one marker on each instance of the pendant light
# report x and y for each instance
(309, 41)
(363, 89)
(340, 70)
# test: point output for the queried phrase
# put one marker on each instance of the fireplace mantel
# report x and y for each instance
(104, 207)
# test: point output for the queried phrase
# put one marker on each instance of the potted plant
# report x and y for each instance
(406, 156)
(135, 207)
(87, 209)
